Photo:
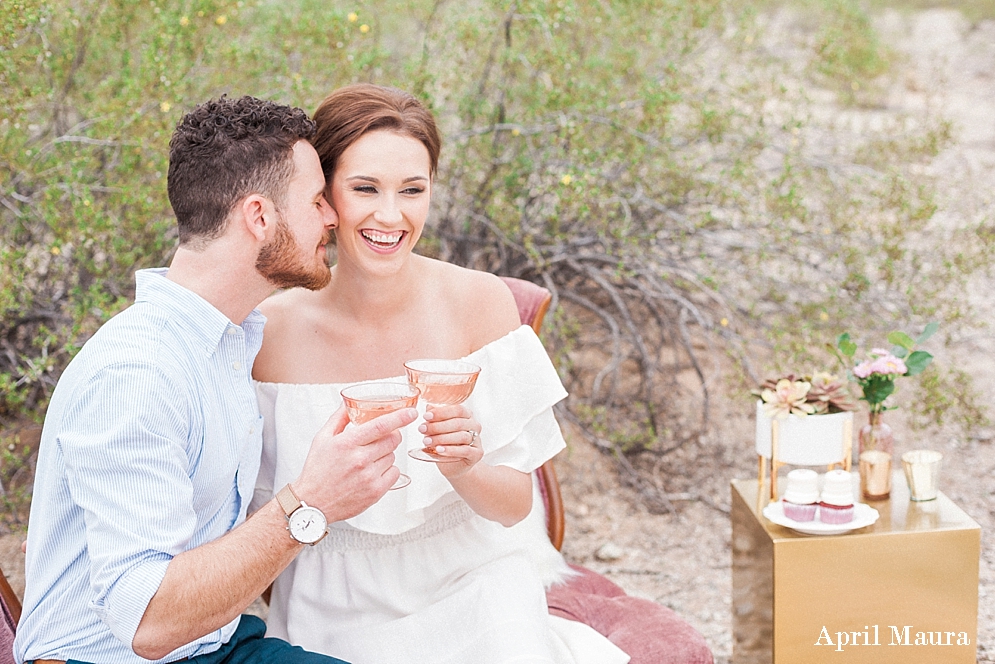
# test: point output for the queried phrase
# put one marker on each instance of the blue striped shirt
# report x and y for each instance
(151, 447)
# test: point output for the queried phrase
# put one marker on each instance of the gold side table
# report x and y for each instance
(795, 596)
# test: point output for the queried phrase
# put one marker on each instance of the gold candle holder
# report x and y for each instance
(875, 474)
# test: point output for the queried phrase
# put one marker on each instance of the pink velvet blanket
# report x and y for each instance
(648, 632)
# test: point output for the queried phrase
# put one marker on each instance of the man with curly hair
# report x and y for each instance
(139, 547)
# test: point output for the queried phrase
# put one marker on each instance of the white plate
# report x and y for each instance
(863, 516)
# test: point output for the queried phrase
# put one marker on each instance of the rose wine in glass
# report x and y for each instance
(367, 401)
(441, 383)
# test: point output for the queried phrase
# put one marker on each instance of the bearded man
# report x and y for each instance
(138, 546)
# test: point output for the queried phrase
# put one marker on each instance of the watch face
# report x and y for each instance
(307, 525)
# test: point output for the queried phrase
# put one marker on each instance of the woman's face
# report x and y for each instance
(381, 190)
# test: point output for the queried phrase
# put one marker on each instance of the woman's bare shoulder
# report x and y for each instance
(284, 311)
(281, 307)
(482, 300)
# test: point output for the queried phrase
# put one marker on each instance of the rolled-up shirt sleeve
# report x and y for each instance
(126, 444)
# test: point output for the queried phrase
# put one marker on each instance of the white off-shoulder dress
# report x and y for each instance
(419, 577)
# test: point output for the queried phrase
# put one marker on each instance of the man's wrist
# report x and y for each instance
(306, 524)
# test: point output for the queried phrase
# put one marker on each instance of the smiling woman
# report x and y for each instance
(462, 541)
(381, 190)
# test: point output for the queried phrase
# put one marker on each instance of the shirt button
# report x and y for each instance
(237, 366)
(232, 330)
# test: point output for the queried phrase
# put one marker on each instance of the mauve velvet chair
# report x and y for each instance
(649, 632)
(10, 613)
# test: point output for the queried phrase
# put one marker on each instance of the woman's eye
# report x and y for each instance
(411, 191)
(365, 188)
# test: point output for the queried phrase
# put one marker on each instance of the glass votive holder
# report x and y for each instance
(875, 474)
(922, 472)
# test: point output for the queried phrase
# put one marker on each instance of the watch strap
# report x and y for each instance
(288, 500)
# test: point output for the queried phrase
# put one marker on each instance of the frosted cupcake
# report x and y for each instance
(802, 495)
(836, 504)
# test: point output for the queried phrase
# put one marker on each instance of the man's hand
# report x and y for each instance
(347, 470)
(208, 587)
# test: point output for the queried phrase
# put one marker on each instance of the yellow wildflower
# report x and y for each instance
(184, 21)
(823, 316)
(566, 179)
(56, 251)
(516, 131)
(364, 28)
(724, 322)
(165, 106)
(221, 20)
(353, 17)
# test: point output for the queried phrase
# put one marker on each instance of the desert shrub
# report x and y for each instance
(847, 47)
(693, 192)
(688, 199)
(82, 172)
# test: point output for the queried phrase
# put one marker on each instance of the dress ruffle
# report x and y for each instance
(512, 400)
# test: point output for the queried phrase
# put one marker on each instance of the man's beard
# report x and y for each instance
(281, 263)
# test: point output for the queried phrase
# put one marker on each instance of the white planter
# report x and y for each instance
(814, 440)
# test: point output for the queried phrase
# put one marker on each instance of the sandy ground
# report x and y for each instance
(682, 559)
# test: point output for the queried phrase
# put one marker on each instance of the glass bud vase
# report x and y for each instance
(877, 444)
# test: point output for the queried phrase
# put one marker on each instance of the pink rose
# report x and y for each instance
(863, 370)
(885, 365)
(889, 364)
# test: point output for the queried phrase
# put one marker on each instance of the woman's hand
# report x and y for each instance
(451, 432)
(498, 493)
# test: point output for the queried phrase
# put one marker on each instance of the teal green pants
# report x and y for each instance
(248, 646)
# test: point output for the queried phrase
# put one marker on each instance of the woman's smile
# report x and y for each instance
(381, 241)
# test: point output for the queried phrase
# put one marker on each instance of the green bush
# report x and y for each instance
(655, 164)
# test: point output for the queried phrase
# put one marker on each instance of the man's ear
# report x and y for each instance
(259, 216)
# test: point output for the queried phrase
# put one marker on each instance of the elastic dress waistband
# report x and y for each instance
(346, 538)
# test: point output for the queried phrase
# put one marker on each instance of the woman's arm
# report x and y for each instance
(498, 493)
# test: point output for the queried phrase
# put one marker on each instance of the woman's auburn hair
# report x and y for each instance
(354, 110)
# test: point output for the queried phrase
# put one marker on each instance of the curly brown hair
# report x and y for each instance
(222, 151)
(354, 110)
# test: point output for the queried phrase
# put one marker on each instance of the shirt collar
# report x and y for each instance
(203, 318)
